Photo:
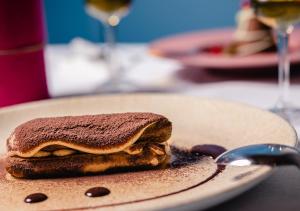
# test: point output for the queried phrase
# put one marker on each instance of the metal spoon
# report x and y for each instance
(260, 154)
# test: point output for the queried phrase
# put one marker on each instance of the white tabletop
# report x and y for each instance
(73, 69)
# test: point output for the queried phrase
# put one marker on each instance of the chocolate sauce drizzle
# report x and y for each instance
(35, 197)
(97, 192)
(180, 157)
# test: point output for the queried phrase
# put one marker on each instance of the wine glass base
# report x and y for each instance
(113, 87)
(282, 112)
(290, 114)
(126, 86)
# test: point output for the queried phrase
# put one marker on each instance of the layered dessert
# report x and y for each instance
(79, 145)
(251, 36)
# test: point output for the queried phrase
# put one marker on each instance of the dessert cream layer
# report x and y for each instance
(136, 148)
(139, 155)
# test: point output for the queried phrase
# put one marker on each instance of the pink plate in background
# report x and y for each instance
(186, 48)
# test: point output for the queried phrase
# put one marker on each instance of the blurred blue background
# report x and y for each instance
(148, 19)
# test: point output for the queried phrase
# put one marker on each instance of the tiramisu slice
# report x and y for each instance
(251, 35)
(79, 145)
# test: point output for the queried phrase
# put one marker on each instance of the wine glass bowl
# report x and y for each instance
(281, 15)
(110, 13)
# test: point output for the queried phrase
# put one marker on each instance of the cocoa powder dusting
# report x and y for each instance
(93, 131)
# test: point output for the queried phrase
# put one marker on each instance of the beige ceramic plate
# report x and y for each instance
(195, 121)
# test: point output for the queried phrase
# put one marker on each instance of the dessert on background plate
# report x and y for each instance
(204, 50)
(80, 145)
(251, 35)
(249, 47)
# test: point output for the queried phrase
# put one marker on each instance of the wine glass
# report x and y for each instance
(110, 13)
(281, 15)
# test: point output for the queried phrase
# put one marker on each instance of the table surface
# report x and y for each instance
(279, 192)
(77, 69)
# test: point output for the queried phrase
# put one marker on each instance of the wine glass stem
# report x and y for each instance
(111, 56)
(284, 70)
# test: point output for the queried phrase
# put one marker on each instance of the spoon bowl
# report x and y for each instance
(260, 154)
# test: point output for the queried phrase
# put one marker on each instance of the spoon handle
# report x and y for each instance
(295, 159)
(279, 160)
